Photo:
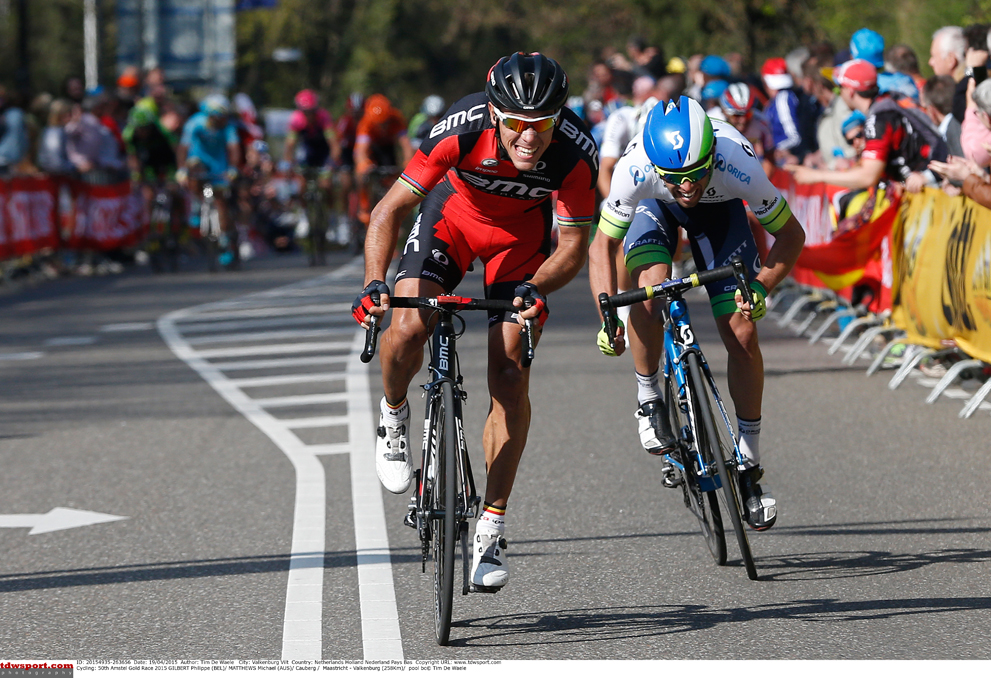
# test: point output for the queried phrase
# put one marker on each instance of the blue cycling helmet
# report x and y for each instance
(678, 135)
(215, 104)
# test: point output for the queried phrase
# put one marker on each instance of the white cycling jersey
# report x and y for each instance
(736, 174)
(622, 126)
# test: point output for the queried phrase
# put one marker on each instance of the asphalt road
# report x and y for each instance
(881, 550)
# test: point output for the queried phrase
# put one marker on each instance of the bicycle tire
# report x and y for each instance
(703, 505)
(444, 512)
(727, 472)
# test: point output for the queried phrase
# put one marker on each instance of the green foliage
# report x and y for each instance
(408, 49)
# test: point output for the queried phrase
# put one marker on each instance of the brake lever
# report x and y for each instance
(608, 318)
(740, 273)
(372, 333)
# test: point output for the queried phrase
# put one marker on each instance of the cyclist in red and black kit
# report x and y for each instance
(485, 175)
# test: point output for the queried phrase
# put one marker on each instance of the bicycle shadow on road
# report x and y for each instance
(612, 624)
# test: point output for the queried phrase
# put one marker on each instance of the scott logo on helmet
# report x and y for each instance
(674, 138)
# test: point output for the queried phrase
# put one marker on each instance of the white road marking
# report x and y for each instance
(69, 341)
(58, 518)
(286, 379)
(225, 325)
(26, 355)
(302, 626)
(275, 349)
(245, 337)
(127, 327)
(281, 362)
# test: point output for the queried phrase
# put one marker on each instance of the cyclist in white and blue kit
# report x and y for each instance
(685, 170)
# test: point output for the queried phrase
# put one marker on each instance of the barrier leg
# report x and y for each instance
(976, 400)
(797, 306)
(879, 359)
(869, 319)
(950, 377)
(782, 292)
(863, 343)
(913, 356)
(836, 315)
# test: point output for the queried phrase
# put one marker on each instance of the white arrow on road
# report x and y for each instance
(58, 518)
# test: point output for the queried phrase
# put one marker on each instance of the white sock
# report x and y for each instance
(492, 520)
(394, 416)
(749, 441)
(649, 387)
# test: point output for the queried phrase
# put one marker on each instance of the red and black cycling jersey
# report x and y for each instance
(902, 140)
(464, 147)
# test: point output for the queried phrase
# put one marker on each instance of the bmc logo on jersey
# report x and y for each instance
(582, 140)
(514, 189)
(457, 119)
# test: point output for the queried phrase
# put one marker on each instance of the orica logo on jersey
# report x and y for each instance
(675, 139)
(639, 174)
(723, 166)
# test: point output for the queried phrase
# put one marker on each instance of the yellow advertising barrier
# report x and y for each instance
(942, 272)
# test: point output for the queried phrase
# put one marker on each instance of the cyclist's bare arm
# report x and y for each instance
(606, 167)
(602, 264)
(562, 266)
(383, 234)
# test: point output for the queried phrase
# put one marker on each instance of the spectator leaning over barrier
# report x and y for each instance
(963, 171)
(13, 135)
(899, 142)
(975, 65)
(832, 143)
(937, 102)
(975, 131)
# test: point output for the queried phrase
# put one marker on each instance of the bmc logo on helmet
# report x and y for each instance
(674, 138)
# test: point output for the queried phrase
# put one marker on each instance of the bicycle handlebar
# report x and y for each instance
(668, 288)
(450, 303)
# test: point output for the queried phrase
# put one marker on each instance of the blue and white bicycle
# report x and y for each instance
(707, 457)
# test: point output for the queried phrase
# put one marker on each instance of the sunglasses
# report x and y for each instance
(519, 125)
(853, 137)
(677, 178)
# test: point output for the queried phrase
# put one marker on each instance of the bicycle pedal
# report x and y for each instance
(671, 478)
(478, 588)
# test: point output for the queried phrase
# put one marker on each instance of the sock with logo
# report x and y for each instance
(649, 388)
(492, 520)
(394, 415)
(749, 441)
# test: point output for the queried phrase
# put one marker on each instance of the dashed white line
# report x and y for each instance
(26, 355)
(69, 341)
(302, 626)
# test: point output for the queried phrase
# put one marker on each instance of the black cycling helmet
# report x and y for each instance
(527, 82)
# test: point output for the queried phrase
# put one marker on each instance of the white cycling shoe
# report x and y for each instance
(393, 461)
(489, 564)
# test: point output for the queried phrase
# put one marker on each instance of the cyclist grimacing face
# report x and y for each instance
(524, 148)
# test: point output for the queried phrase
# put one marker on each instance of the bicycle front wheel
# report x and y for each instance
(703, 505)
(716, 443)
(444, 511)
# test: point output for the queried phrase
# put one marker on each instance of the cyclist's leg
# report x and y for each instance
(727, 232)
(651, 239)
(424, 270)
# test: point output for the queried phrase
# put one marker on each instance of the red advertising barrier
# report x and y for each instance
(41, 212)
(837, 262)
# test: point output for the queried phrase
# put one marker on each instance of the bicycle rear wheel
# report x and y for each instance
(716, 442)
(444, 512)
(703, 505)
